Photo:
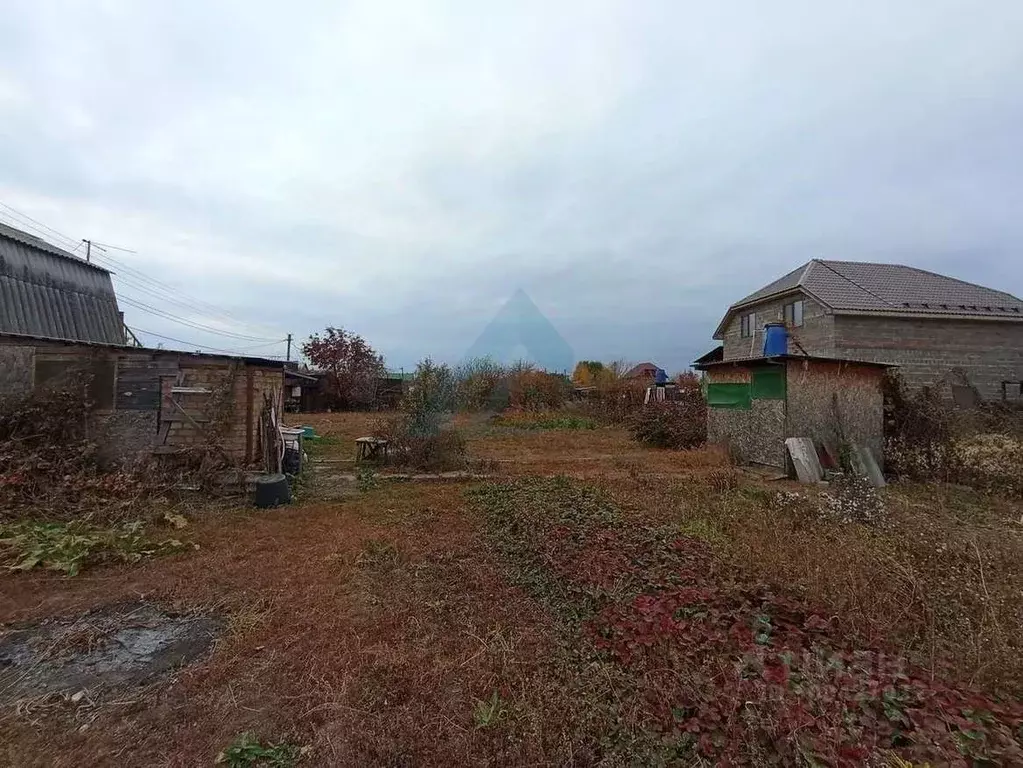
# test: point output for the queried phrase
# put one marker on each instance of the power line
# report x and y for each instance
(160, 294)
(60, 235)
(133, 302)
(138, 279)
(196, 304)
(202, 346)
(103, 246)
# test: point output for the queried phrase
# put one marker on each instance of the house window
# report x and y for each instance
(794, 313)
(747, 325)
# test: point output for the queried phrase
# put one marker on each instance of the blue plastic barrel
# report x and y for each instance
(661, 377)
(776, 339)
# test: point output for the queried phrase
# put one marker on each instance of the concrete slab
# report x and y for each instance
(865, 465)
(804, 459)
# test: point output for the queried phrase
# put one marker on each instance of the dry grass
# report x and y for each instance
(942, 579)
(383, 629)
(341, 624)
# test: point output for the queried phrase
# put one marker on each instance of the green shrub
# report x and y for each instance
(417, 436)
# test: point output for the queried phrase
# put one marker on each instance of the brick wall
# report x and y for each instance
(816, 335)
(927, 349)
(240, 438)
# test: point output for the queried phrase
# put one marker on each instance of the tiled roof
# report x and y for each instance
(868, 287)
(47, 292)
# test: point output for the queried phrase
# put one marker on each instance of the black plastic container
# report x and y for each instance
(272, 491)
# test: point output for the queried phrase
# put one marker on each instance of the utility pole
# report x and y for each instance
(88, 251)
(288, 358)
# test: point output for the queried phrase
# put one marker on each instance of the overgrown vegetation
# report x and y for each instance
(717, 667)
(608, 396)
(419, 435)
(68, 547)
(50, 462)
(928, 438)
(678, 423)
(480, 385)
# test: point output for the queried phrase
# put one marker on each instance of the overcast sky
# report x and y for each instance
(401, 168)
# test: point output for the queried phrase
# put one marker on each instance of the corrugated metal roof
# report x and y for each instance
(762, 361)
(45, 291)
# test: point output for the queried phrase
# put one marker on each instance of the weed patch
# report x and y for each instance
(68, 547)
(366, 479)
(490, 712)
(248, 752)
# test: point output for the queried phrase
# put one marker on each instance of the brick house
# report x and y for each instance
(934, 328)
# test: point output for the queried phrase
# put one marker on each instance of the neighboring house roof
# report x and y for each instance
(48, 292)
(857, 287)
(291, 373)
(714, 356)
(642, 370)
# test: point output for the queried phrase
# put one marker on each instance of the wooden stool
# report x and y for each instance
(370, 449)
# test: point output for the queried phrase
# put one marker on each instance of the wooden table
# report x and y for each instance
(370, 449)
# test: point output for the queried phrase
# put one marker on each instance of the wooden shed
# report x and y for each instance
(155, 401)
(754, 404)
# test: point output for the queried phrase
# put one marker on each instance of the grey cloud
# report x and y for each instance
(402, 169)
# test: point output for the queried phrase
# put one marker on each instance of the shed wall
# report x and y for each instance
(15, 369)
(828, 401)
(755, 434)
(139, 416)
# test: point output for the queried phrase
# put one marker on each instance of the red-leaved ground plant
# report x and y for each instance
(731, 671)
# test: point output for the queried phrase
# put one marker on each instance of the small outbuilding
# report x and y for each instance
(157, 401)
(754, 404)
